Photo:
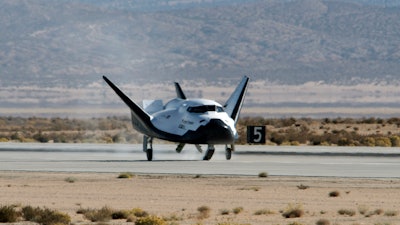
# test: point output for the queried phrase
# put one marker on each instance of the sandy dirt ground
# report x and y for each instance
(180, 196)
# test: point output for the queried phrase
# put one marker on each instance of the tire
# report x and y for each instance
(228, 153)
(209, 154)
(149, 154)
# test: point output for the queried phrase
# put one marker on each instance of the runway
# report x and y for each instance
(314, 161)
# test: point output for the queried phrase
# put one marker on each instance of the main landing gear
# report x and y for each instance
(208, 155)
(228, 152)
(180, 146)
(209, 152)
(148, 147)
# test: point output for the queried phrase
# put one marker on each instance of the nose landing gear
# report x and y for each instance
(228, 151)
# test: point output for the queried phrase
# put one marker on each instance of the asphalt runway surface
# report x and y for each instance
(313, 161)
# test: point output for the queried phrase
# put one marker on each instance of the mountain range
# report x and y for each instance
(71, 43)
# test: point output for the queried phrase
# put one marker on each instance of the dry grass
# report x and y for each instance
(391, 213)
(264, 212)
(323, 222)
(120, 214)
(263, 174)
(293, 211)
(8, 214)
(70, 179)
(249, 189)
(302, 187)
(230, 223)
(363, 209)
(150, 220)
(334, 194)
(98, 215)
(347, 212)
(237, 210)
(126, 175)
(45, 216)
(173, 217)
(204, 212)
(224, 211)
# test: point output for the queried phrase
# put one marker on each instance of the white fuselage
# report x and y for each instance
(181, 116)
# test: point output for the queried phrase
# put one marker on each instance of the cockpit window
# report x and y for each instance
(205, 108)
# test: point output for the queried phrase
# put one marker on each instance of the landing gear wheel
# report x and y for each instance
(228, 153)
(149, 154)
(209, 154)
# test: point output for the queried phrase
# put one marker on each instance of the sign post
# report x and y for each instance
(256, 134)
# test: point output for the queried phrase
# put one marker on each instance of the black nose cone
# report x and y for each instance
(218, 132)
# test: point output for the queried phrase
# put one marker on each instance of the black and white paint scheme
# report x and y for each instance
(187, 121)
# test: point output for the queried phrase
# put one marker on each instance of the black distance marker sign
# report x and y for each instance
(256, 134)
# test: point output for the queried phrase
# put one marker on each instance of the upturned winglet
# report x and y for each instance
(235, 101)
(179, 91)
(140, 119)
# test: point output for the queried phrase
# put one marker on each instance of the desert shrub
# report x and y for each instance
(172, 217)
(263, 212)
(120, 214)
(8, 214)
(363, 209)
(45, 216)
(294, 143)
(237, 210)
(150, 220)
(347, 212)
(30, 212)
(101, 215)
(378, 211)
(40, 137)
(303, 187)
(138, 212)
(204, 212)
(336, 138)
(334, 194)
(395, 141)
(70, 179)
(391, 213)
(81, 211)
(369, 141)
(229, 223)
(296, 135)
(293, 211)
(370, 120)
(383, 142)
(50, 217)
(126, 175)
(225, 211)
(4, 139)
(278, 138)
(286, 122)
(323, 222)
(131, 218)
(344, 142)
(250, 188)
(263, 174)
(295, 223)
